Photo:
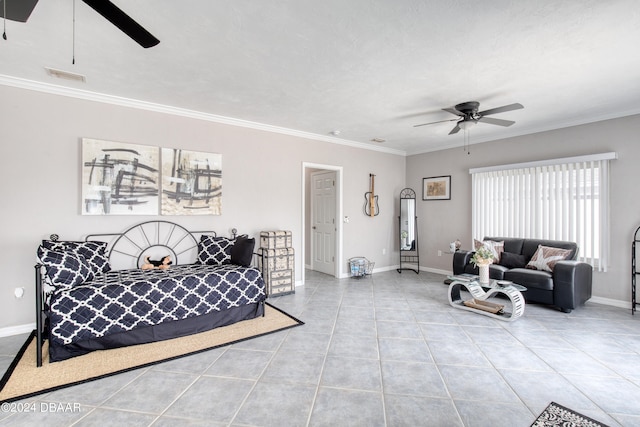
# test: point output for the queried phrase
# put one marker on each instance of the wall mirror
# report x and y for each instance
(408, 232)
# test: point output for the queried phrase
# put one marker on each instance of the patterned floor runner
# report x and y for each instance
(558, 415)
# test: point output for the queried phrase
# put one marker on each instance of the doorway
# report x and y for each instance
(322, 211)
(323, 222)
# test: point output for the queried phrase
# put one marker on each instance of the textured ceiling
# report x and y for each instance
(368, 68)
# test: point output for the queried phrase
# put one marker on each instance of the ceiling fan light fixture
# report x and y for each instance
(466, 124)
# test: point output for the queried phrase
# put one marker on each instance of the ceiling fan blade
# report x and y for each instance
(123, 21)
(453, 111)
(433, 123)
(17, 10)
(502, 109)
(492, 121)
(456, 129)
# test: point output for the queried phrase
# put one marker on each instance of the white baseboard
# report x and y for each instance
(436, 271)
(347, 274)
(395, 267)
(383, 269)
(17, 330)
(611, 302)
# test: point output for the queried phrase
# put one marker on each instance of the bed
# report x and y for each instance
(94, 295)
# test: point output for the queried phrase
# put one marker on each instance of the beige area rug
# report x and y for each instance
(23, 379)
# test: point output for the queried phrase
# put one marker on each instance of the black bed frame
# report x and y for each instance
(133, 246)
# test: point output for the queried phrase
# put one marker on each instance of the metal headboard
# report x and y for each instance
(153, 239)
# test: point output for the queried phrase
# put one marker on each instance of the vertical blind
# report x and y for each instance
(562, 199)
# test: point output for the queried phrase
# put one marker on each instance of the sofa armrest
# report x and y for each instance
(460, 260)
(571, 284)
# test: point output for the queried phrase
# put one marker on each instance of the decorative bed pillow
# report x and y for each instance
(545, 258)
(95, 253)
(511, 260)
(65, 269)
(496, 248)
(214, 250)
(242, 251)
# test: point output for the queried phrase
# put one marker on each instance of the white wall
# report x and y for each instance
(441, 222)
(262, 182)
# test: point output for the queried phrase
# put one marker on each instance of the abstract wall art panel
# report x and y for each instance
(191, 182)
(119, 178)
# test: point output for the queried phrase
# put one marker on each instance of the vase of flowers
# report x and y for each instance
(482, 258)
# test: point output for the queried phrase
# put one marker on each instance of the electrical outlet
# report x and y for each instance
(384, 251)
(439, 252)
(19, 292)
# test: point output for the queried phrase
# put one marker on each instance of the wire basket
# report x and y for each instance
(360, 266)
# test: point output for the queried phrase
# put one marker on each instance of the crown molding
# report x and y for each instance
(182, 112)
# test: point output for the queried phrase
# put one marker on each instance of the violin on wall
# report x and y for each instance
(371, 200)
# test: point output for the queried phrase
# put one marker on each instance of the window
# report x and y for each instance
(562, 199)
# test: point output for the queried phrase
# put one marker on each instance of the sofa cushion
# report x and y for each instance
(511, 244)
(530, 278)
(545, 258)
(530, 246)
(497, 271)
(511, 260)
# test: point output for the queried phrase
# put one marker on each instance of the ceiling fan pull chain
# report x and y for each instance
(4, 16)
(73, 36)
(466, 142)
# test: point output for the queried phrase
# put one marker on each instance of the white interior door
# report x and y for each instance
(323, 222)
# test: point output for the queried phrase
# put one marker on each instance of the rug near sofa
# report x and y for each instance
(23, 379)
(557, 415)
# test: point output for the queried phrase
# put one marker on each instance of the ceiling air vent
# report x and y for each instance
(65, 75)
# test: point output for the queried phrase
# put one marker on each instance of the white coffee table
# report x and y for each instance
(480, 292)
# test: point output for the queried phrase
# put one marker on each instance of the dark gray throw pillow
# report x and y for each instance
(511, 260)
(242, 251)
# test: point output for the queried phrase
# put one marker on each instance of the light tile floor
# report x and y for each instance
(384, 350)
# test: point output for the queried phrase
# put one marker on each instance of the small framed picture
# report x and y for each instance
(436, 188)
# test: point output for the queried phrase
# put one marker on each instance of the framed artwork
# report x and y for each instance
(191, 182)
(119, 178)
(436, 188)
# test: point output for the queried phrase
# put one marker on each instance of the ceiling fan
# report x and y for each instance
(20, 10)
(469, 115)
